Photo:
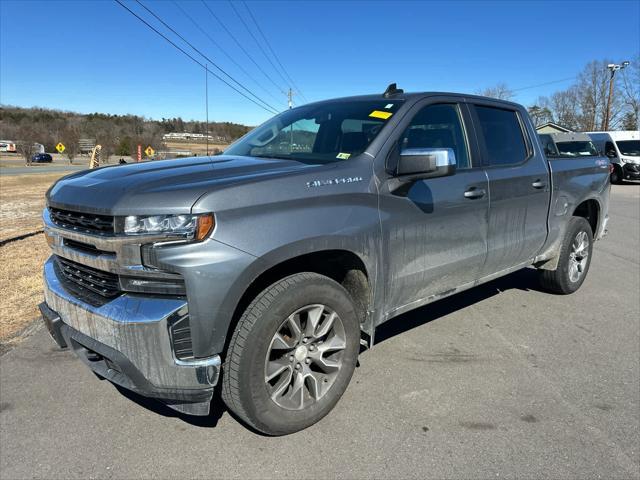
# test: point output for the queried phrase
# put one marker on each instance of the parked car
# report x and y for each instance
(41, 158)
(568, 145)
(267, 268)
(623, 150)
(8, 146)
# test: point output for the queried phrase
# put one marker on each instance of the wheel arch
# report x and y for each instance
(342, 265)
(590, 210)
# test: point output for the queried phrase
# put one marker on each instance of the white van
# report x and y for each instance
(623, 150)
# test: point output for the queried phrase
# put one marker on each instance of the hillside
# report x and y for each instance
(118, 134)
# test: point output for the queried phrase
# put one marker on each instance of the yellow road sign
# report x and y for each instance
(60, 147)
(149, 151)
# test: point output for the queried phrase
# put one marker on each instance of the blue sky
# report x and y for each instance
(93, 56)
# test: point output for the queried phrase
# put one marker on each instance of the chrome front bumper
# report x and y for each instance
(135, 328)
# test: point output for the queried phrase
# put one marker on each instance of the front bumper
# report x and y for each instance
(631, 171)
(127, 341)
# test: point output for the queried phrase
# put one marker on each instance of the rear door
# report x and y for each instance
(519, 186)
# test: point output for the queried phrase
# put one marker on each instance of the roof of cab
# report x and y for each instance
(405, 96)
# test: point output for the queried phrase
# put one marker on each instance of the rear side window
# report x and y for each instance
(502, 135)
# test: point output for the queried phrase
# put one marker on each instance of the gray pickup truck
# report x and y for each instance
(266, 269)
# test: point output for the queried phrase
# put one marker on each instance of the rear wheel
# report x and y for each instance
(292, 354)
(574, 261)
(617, 176)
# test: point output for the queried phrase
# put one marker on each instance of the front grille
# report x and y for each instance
(86, 280)
(82, 222)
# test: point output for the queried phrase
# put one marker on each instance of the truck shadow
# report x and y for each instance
(208, 421)
(525, 279)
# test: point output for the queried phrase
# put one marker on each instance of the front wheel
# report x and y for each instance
(574, 261)
(292, 354)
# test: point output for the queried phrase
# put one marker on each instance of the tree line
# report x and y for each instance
(118, 134)
(583, 105)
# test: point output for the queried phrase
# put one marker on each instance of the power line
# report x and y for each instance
(244, 50)
(267, 108)
(204, 56)
(544, 84)
(271, 49)
(257, 43)
(217, 45)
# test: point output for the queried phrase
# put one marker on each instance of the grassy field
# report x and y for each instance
(22, 201)
(21, 204)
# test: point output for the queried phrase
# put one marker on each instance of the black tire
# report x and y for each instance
(244, 387)
(617, 177)
(559, 280)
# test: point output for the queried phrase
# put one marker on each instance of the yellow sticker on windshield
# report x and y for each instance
(343, 156)
(380, 114)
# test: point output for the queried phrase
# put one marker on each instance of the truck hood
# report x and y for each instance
(160, 187)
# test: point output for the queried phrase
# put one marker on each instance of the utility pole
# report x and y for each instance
(206, 101)
(290, 97)
(613, 68)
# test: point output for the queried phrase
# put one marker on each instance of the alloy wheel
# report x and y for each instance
(305, 357)
(579, 256)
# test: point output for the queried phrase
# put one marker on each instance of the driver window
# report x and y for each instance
(438, 126)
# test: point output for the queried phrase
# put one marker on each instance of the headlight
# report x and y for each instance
(193, 227)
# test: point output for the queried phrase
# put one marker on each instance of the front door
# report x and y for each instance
(434, 231)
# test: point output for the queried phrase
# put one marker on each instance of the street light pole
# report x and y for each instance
(613, 68)
(206, 101)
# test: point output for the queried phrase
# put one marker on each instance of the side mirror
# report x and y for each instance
(426, 162)
(611, 154)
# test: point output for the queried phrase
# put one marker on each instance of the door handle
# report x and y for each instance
(475, 192)
(538, 184)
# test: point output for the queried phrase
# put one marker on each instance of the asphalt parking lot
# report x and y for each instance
(500, 381)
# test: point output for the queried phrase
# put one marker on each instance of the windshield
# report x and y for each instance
(629, 147)
(318, 134)
(576, 149)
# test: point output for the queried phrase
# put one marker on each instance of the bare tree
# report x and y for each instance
(565, 108)
(540, 114)
(500, 91)
(70, 139)
(593, 94)
(26, 145)
(631, 93)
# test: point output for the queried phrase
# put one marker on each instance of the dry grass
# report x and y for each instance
(20, 284)
(21, 204)
(22, 201)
